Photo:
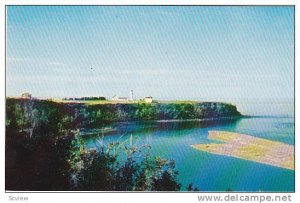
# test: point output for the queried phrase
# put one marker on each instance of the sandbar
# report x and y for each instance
(250, 148)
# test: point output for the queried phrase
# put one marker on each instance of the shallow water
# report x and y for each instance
(211, 172)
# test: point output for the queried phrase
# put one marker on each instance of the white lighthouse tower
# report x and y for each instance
(131, 95)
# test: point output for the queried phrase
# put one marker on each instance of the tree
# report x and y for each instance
(190, 187)
(117, 166)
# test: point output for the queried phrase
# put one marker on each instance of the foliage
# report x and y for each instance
(121, 167)
(103, 114)
(190, 187)
(72, 116)
(44, 152)
(40, 146)
(85, 98)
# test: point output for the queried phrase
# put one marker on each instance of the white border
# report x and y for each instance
(127, 197)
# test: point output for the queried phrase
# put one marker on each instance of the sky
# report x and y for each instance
(234, 54)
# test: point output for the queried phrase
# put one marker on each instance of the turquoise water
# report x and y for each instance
(211, 172)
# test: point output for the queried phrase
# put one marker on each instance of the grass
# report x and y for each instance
(92, 102)
(177, 101)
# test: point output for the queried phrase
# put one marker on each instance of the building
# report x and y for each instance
(116, 98)
(26, 95)
(148, 99)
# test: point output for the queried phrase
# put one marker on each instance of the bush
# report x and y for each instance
(44, 152)
(123, 167)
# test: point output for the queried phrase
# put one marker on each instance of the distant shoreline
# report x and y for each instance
(190, 120)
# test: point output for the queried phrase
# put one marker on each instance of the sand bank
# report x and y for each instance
(250, 148)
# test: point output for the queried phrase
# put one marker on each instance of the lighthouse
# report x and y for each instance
(131, 95)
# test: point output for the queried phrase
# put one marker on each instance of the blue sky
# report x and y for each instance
(232, 54)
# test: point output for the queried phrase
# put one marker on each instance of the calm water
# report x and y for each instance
(210, 172)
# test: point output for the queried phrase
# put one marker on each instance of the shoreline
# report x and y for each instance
(107, 130)
(182, 120)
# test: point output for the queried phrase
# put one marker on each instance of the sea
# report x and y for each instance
(208, 172)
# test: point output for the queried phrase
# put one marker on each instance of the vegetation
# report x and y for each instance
(94, 115)
(136, 171)
(85, 98)
(44, 151)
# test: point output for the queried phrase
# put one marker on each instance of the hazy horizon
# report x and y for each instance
(234, 54)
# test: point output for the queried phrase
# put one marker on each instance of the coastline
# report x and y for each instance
(185, 120)
(107, 130)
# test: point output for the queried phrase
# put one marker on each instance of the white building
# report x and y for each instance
(26, 95)
(148, 99)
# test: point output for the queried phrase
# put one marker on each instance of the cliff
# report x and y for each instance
(84, 115)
